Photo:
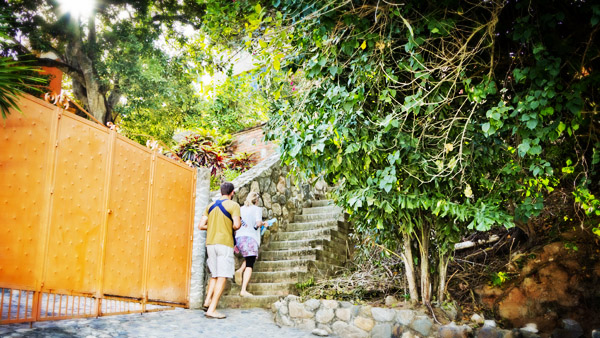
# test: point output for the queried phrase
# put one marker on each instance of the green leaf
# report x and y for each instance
(531, 124)
(276, 64)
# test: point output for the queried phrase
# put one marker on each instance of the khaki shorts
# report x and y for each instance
(220, 260)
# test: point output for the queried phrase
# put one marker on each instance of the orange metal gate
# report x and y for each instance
(91, 223)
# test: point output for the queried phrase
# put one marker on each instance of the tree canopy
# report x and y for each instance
(438, 118)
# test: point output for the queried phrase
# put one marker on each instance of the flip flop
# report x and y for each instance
(219, 316)
(205, 308)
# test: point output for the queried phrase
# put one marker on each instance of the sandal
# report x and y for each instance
(216, 316)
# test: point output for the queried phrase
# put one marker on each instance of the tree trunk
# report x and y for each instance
(409, 268)
(443, 272)
(90, 92)
(425, 276)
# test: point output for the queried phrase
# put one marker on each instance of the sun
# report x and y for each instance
(77, 8)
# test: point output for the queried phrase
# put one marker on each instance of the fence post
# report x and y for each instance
(199, 244)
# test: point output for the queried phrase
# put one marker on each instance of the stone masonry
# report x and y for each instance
(310, 237)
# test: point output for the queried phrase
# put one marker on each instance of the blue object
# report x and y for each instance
(269, 223)
(219, 203)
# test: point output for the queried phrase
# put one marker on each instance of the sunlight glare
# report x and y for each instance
(78, 8)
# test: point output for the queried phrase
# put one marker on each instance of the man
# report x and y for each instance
(219, 220)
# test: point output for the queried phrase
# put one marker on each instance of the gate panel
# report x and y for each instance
(75, 237)
(170, 234)
(24, 148)
(126, 231)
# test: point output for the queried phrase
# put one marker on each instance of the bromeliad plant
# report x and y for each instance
(202, 153)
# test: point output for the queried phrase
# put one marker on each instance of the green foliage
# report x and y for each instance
(306, 284)
(499, 278)
(200, 152)
(16, 78)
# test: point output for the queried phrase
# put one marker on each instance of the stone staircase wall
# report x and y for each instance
(310, 238)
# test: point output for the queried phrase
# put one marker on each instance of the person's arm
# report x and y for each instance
(237, 222)
(203, 223)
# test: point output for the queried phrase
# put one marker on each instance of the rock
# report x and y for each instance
(266, 198)
(514, 333)
(405, 317)
(453, 331)
(477, 318)
(306, 324)
(285, 213)
(391, 301)
(297, 310)
(596, 334)
(320, 332)
(489, 322)
(383, 315)
(381, 331)
(283, 309)
(365, 311)
(281, 185)
(343, 314)
(451, 310)
(312, 304)
(330, 304)
(325, 327)
(276, 208)
(324, 315)
(530, 327)
(345, 304)
(422, 324)
(283, 320)
(569, 329)
(348, 331)
(487, 332)
(364, 323)
(254, 187)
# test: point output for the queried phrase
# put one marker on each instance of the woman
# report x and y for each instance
(248, 240)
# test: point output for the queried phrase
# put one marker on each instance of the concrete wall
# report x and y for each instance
(199, 246)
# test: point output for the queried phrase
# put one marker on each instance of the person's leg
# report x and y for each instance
(209, 291)
(211, 261)
(239, 272)
(219, 287)
(224, 269)
(247, 274)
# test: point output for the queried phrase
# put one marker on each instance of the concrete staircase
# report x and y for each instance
(315, 245)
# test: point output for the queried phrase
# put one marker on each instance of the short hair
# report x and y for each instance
(226, 188)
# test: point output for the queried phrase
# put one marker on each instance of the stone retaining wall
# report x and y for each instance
(325, 317)
(343, 319)
(199, 244)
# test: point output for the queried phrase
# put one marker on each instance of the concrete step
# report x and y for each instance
(272, 255)
(279, 265)
(306, 234)
(235, 301)
(322, 203)
(277, 276)
(302, 226)
(321, 210)
(296, 244)
(317, 217)
(265, 289)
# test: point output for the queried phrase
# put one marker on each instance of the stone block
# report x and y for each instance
(320, 332)
(343, 314)
(324, 315)
(365, 311)
(391, 301)
(312, 304)
(297, 310)
(488, 332)
(254, 187)
(306, 324)
(405, 317)
(364, 323)
(345, 304)
(422, 324)
(383, 315)
(266, 198)
(453, 331)
(283, 320)
(325, 327)
(276, 208)
(348, 331)
(281, 185)
(382, 331)
(283, 309)
(330, 304)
